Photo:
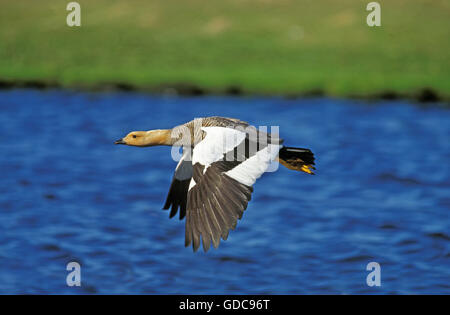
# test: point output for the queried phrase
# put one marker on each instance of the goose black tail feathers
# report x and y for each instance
(297, 159)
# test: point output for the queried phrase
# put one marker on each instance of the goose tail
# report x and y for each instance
(297, 159)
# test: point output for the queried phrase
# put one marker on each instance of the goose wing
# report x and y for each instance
(177, 196)
(226, 163)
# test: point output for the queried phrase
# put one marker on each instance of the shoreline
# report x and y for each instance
(422, 95)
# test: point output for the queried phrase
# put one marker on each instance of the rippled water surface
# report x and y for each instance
(381, 194)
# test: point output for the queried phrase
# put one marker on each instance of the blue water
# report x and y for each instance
(381, 194)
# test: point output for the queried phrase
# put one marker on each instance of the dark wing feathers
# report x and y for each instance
(215, 204)
(177, 197)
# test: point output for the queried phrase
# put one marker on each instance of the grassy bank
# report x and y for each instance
(269, 47)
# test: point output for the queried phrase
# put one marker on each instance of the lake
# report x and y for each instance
(67, 193)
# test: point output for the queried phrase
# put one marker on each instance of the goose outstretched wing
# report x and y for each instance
(225, 165)
(177, 196)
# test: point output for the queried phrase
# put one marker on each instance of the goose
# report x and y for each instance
(213, 181)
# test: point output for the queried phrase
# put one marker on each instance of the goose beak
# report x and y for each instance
(120, 141)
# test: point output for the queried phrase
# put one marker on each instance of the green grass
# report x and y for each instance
(262, 46)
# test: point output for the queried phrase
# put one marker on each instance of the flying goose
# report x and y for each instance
(221, 160)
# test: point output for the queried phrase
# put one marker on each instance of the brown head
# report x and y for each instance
(146, 138)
